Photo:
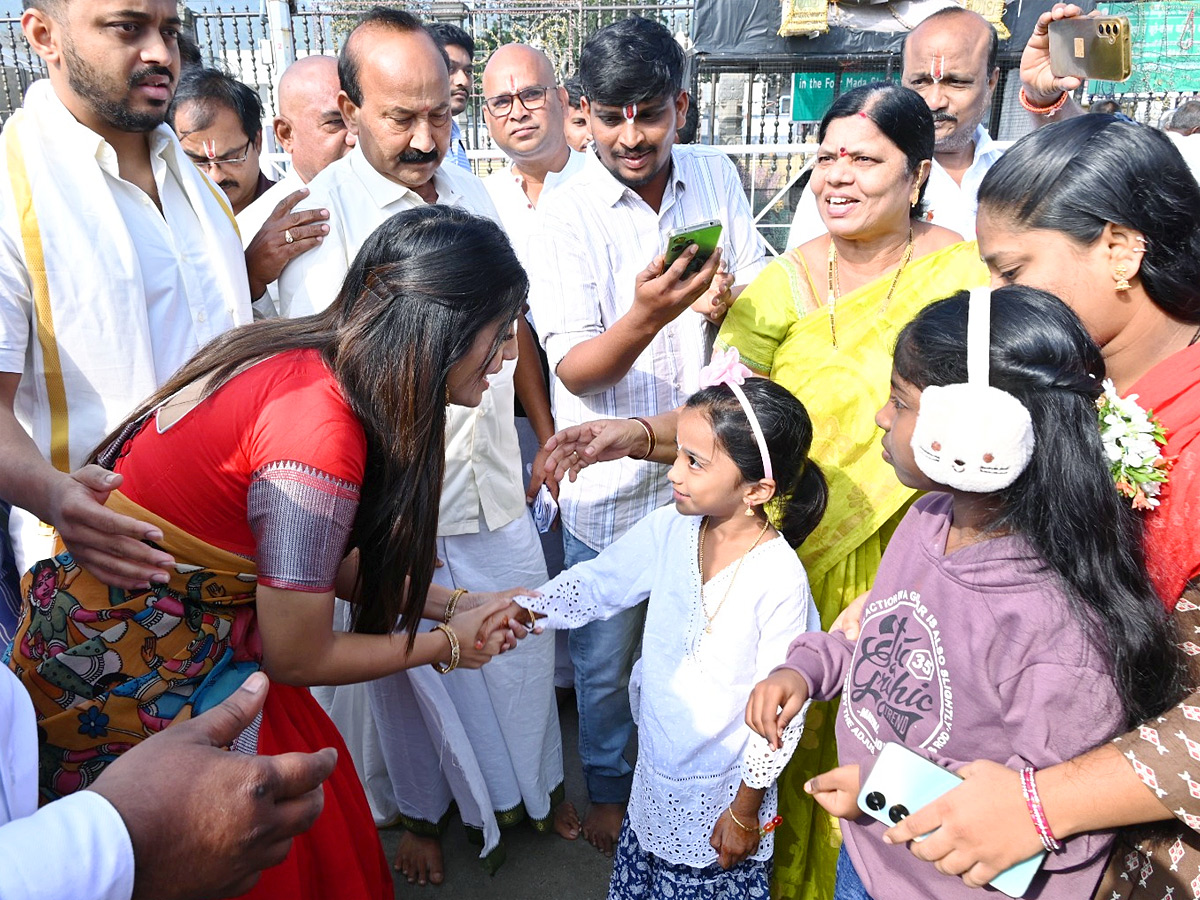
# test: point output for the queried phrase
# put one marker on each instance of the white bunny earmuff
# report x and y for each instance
(973, 437)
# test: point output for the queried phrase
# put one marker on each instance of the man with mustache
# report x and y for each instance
(624, 338)
(950, 60)
(459, 48)
(117, 261)
(219, 124)
(396, 99)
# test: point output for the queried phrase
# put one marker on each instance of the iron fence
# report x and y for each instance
(746, 107)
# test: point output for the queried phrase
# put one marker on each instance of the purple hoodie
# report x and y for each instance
(974, 655)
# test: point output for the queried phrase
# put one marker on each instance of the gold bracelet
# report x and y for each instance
(453, 602)
(532, 617)
(738, 822)
(443, 668)
(651, 440)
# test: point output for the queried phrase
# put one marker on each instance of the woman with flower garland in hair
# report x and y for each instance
(1106, 214)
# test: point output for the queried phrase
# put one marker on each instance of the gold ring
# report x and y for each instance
(287, 236)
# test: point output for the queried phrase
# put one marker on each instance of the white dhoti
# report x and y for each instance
(488, 738)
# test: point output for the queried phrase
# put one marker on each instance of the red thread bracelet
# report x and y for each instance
(1034, 804)
(1041, 110)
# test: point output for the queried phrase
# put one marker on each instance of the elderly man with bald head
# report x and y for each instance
(525, 109)
(950, 60)
(310, 128)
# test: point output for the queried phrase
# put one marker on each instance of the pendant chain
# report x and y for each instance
(834, 286)
(728, 587)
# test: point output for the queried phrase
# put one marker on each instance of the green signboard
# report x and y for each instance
(1166, 56)
(813, 92)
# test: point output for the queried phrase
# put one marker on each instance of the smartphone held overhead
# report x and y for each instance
(1096, 47)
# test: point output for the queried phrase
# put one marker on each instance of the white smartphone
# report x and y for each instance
(902, 781)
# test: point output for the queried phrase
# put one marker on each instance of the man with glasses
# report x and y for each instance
(525, 113)
(396, 100)
(459, 48)
(219, 123)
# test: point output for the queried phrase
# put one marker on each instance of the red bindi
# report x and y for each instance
(841, 151)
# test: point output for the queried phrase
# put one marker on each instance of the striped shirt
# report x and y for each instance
(595, 235)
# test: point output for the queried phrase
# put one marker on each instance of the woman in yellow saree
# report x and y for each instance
(875, 269)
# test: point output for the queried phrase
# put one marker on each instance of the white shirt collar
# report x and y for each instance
(384, 191)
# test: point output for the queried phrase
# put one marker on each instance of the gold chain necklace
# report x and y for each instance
(835, 288)
(736, 569)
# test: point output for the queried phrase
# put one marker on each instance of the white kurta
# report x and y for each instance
(689, 690)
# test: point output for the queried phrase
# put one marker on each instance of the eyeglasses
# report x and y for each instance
(224, 160)
(531, 98)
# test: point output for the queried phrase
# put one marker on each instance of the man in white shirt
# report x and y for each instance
(525, 111)
(117, 261)
(310, 128)
(950, 60)
(395, 98)
(622, 337)
(121, 837)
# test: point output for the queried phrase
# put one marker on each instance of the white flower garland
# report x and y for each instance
(1132, 437)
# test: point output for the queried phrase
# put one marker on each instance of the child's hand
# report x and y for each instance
(837, 791)
(774, 702)
(849, 620)
(732, 842)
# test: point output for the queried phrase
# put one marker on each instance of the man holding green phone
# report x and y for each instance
(622, 337)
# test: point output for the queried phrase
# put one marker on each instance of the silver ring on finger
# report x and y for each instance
(287, 236)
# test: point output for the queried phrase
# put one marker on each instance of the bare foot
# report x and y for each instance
(419, 858)
(602, 826)
(566, 820)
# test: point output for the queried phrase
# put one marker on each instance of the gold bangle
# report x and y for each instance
(443, 668)
(453, 602)
(532, 617)
(651, 440)
(738, 822)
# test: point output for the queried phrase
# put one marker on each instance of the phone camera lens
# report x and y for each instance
(876, 801)
(898, 813)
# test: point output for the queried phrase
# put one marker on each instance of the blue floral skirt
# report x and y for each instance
(638, 875)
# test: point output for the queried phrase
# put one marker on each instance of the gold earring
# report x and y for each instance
(1122, 282)
(447, 394)
(916, 197)
(749, 509)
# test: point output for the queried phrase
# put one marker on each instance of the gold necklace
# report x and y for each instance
(736, 569)
(834, 286)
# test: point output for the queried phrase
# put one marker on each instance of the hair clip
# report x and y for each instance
(728, 369)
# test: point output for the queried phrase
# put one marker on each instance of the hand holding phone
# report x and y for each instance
(902, 781)
(1096, 47)
(705, 235)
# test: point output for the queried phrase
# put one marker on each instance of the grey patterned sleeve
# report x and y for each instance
(301, 519)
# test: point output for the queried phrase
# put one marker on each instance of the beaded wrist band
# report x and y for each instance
(443, 668)
(651, 440)
(452, 603)
(1041, 110)
(1034, 804)
(738, 822)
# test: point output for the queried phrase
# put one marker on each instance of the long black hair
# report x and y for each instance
(902, 116)
(800, 490)
(424, 285)
(1064, 503)
(1075, 177)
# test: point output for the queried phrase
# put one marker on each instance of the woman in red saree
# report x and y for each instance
(287, 461)
(1106, 214)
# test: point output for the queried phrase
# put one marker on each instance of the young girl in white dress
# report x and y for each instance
(726, 594)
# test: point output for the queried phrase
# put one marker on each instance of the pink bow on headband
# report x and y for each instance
(726, 368)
